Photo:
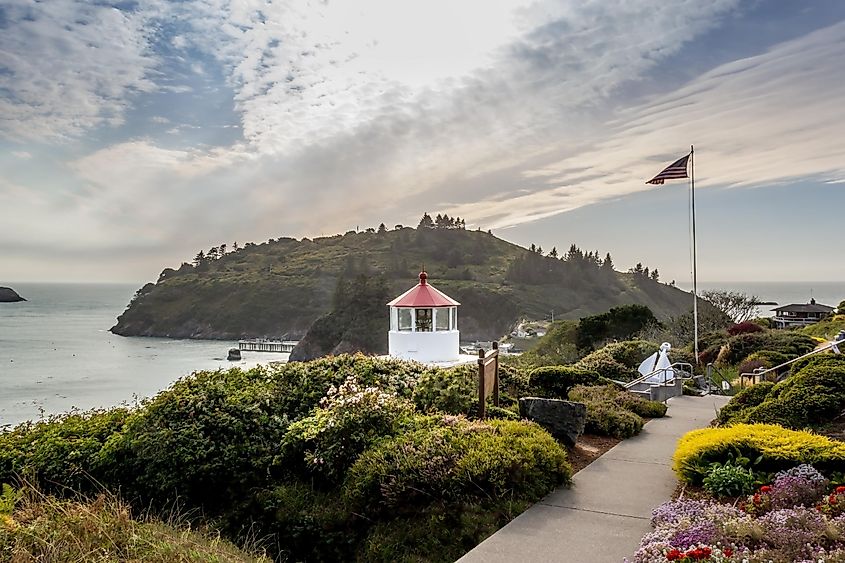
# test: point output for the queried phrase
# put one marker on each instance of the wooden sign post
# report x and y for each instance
(488, 379)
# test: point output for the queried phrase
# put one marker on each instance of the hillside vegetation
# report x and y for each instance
(279, 288)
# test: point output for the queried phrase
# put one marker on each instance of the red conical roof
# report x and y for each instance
(423, 295)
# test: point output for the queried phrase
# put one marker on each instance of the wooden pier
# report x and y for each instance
(262, 345)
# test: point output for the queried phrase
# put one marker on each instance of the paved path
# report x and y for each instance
(602, 517)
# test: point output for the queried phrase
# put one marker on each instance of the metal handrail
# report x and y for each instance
(753, 375)
(643, 378)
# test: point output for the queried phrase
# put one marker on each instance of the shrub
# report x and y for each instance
(607, 419)
(209, 439)
(556, 381)
(348, 421)
(620, 397)
(826, 359)
(727, 480)
(453, 391)
(736, 409)
(764, 447)
(62, 451)
(812, 397)
(603, 363)
(741, 346)
(458, 461)
(746, 327)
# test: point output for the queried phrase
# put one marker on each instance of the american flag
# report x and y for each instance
(677, 169)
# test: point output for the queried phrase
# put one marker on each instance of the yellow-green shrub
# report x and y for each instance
(763, 447)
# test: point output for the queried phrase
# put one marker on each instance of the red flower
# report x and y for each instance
(728, 552)
(832, 499)
(673, 555)
(840, 490)
(756, 499)
(765, 489)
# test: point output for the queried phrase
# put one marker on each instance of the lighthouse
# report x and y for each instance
(424, 325)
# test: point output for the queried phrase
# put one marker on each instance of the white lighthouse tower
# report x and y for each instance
(424, 325)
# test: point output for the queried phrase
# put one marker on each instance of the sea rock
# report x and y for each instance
(9, 295)
(234, 355)
(564, 420)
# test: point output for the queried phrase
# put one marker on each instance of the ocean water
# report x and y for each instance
(782, 293)
(56, 352)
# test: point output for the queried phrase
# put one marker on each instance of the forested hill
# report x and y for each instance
(278, 288)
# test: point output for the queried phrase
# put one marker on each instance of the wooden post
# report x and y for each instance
(488, 379)
(482, 391)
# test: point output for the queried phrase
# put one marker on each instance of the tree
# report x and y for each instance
(540, 250)
(199, 258)
(382, 229)
(532, 248)
(737, 305)
(553, 252)
(235, 246)
(655, 275)
(222, 249)
(645, 272)
(608, 262)
(426, 222)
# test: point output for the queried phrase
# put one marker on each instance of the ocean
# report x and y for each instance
(57, 354)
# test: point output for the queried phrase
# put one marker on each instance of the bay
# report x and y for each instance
(56, 353)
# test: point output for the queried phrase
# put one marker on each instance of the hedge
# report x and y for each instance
(761, 447)
(556, 381)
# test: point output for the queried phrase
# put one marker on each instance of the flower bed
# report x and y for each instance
(798, 517)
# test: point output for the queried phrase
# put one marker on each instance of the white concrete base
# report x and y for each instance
(426, 347)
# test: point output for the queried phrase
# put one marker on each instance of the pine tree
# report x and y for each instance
(553, 252)
(608, 262)
(540, 250)
(199, 258)
(532, 248)
(382, 229)
(426, 222)
(655, 275)
(222, 249)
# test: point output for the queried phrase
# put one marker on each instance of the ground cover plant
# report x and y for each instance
(796, 515)
(317, 459)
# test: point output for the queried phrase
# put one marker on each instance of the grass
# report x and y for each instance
(38, 527)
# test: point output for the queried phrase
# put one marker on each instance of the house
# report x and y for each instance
(801, 314)
(424, 325)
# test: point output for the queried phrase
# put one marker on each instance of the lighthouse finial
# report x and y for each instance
(423, 275)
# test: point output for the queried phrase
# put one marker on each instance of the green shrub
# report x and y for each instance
(459, 461)
(301, 385)
(741, 346)
(631, 353)
(608, 419)
(556, 381)
(209, 439)
(812, 397)
(737, 408)
(727, 480)
(620, 397)
(825, 359)
(605, 365)
(350, 419)
(62, 451)
(453, 391)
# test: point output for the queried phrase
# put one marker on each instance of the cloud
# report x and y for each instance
(23, 155)
(762, 120)
(69, 66)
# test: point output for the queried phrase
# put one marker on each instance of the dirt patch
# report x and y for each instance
(587, 449)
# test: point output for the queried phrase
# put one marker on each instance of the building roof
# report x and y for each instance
(811, 307)
(423, 295)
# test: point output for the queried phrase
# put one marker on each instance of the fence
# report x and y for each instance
(488, 379)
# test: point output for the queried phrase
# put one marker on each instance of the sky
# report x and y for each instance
(135, 133)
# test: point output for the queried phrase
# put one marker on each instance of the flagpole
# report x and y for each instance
(694, 257)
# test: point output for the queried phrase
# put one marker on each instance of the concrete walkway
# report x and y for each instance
(602, 517)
